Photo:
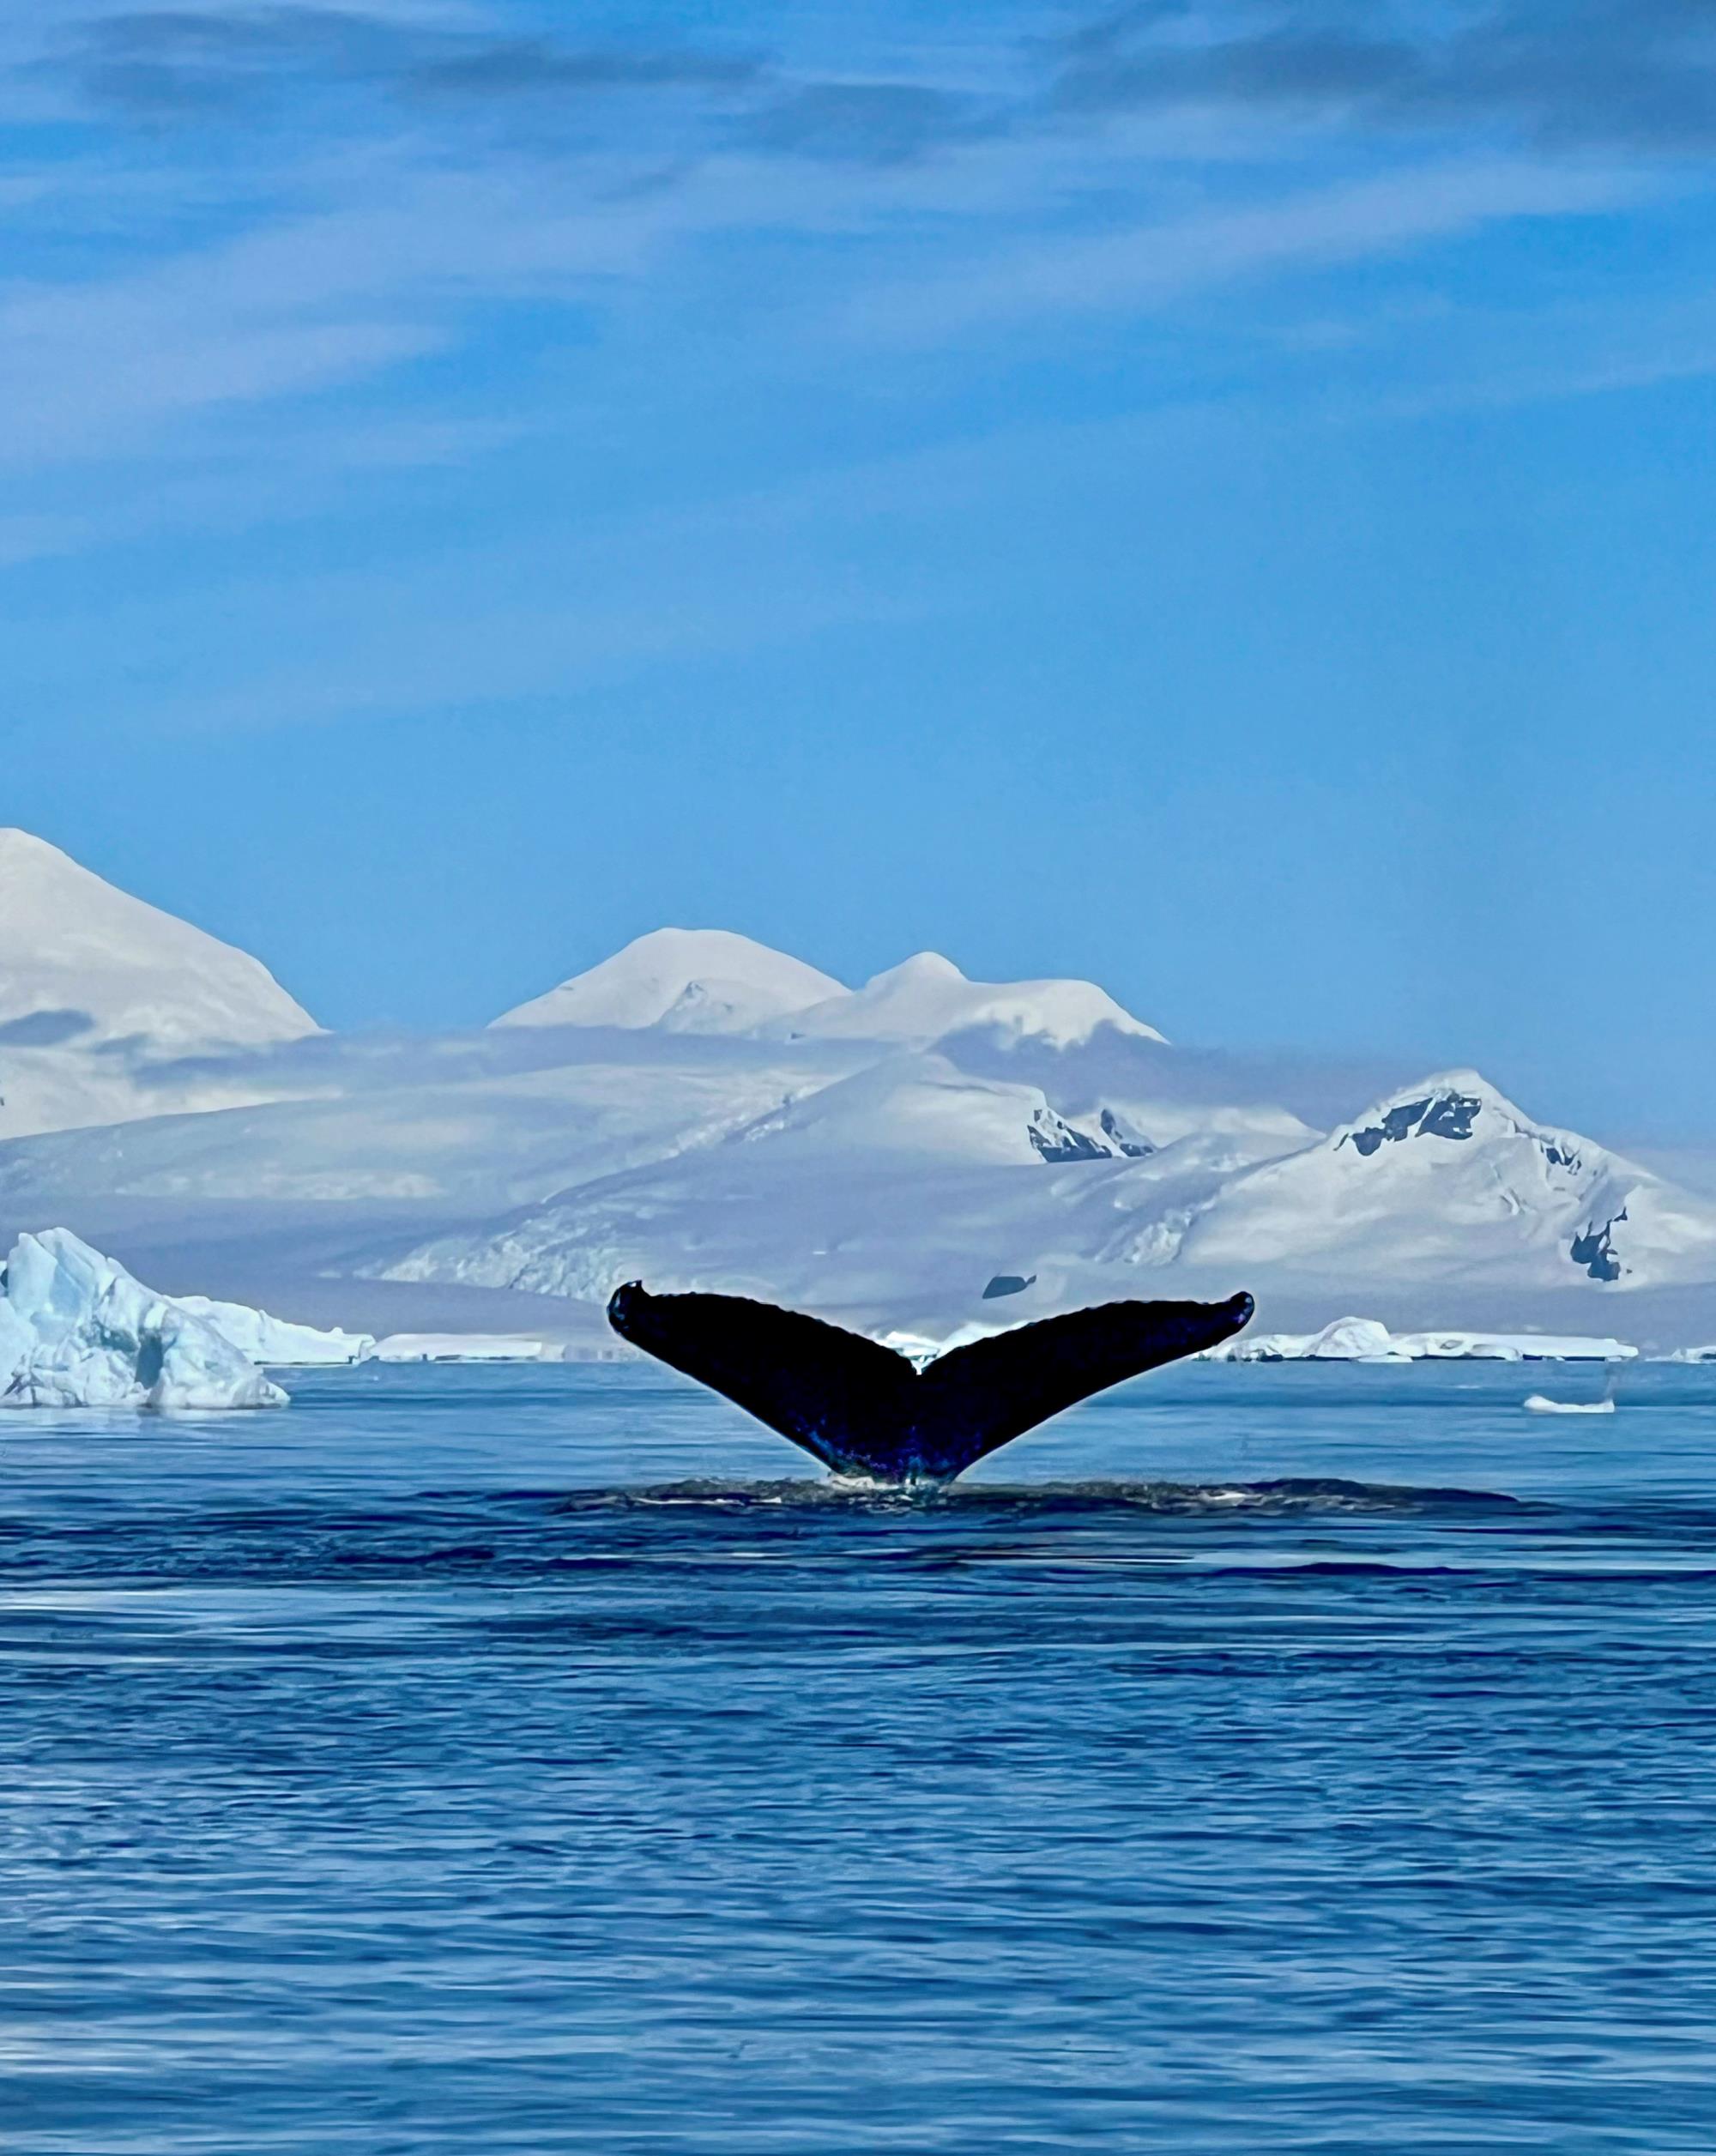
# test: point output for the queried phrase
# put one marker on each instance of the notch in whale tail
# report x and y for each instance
(863, 1409)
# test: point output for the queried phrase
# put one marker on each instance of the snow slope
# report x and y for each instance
(1448, 1177)
(82, 963)
(684, 980)
(927, 998)
(77, 1331)
(901, 1192)
(923, 1104)
(896, 1197)
(466, 1124)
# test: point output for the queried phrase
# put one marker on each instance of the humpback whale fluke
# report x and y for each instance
(863, 1409)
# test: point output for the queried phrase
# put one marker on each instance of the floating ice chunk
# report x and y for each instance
(463, 1347)
(77, 1331)
(275, 1341)
(1369, 1340)
(1347, 1340)
(1539, 1404)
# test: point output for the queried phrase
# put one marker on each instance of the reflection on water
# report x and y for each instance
(537, 1760)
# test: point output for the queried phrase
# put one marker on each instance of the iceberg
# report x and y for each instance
(274, 1342)
(1369, 1340)
(1346, 1340)
(1513, 1347)
(77, 1331)
(463, 1347)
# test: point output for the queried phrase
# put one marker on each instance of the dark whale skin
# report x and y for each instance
(863, 1409)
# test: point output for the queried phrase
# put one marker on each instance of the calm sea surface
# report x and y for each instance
(527, 1760)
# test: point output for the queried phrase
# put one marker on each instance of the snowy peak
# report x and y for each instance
(1456, 1107)
(919, 972)
(89, 964)
(1446, 1113)
(684, 980)
(711, 980)
(926, 997)
(1447, 1177)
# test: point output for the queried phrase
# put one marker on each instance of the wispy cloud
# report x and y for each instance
(867, 123)
(478, 154)
(291, 307)
(1152, 263)
(388, 661)
(1638, 73)
(187, 63)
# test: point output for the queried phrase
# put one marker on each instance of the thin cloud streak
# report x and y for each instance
(1150, 265)
(414, 241)
(1633, 74)
(292, 309)
(192, 64)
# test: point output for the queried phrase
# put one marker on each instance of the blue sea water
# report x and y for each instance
(528, 1760)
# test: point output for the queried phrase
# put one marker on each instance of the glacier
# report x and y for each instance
(462, 1347)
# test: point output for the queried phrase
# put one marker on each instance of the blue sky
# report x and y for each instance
(1214, 498)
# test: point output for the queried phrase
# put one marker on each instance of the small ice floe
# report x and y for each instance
(1540, 1403)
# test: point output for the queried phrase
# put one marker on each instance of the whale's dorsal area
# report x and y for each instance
(863, 1409)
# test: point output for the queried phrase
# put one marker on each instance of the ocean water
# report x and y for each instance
(527, 1760)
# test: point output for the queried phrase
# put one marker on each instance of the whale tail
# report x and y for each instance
(862, 1409)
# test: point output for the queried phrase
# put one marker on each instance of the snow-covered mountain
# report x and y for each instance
(685, 980)
(699, 1110)
(82, 962)
(1449, 1177)
(464, 1125)
(891, 1202)
(707, 980)
(926, 997)
(110, 1009)
(907, 1186)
